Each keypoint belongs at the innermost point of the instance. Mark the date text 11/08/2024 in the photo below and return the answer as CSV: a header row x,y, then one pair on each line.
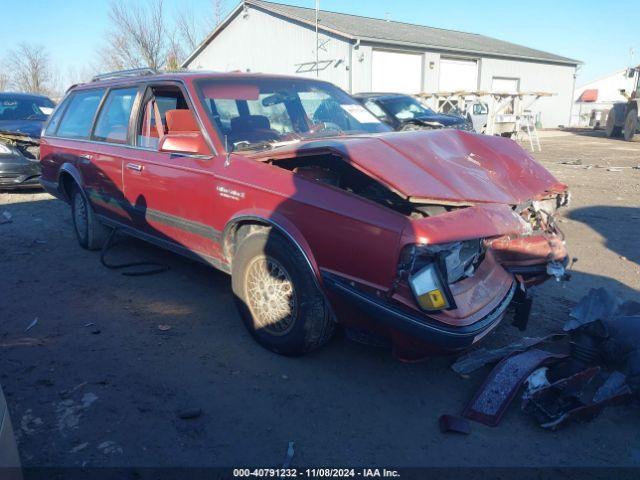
x,y
315,473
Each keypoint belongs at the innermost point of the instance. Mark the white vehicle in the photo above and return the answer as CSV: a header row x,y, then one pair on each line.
x,y
623,117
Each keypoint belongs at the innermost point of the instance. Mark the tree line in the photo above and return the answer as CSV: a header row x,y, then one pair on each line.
x,y
145,33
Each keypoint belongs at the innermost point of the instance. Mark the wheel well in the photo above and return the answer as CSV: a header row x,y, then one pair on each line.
x,y
66,182
235,232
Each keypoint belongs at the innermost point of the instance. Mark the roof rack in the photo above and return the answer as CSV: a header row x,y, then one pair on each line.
x,y
134,72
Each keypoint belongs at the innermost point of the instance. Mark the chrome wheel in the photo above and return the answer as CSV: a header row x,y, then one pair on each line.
x,y
80,216
270,294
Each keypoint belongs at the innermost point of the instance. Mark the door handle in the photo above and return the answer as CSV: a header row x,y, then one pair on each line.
x,y
85,157
134,166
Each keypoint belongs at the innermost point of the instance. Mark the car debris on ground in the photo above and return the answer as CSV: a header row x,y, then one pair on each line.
x,y
597,365
289,456
32,324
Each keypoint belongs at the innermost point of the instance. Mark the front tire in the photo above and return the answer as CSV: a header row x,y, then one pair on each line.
x,y
91,234
630,124
611,129
275,291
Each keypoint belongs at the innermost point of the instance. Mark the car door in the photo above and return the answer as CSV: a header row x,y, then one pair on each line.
x,y
170,193
111,145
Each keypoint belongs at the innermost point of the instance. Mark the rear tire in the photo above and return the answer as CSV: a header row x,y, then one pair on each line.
x,y
91,234
630,124
611,129
276,294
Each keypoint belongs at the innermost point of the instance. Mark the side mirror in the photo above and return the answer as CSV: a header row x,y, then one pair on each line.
x,y
191,143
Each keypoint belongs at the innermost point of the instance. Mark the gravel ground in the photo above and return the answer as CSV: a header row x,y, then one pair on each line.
x,y
96,382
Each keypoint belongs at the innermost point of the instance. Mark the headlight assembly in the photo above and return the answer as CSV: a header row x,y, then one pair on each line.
x,y
428,290
6,150
432,268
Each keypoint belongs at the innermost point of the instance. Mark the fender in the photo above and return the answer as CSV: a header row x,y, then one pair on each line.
x,y
282,225
72,170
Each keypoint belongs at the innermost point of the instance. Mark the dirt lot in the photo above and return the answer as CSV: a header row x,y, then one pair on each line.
x,y
95,382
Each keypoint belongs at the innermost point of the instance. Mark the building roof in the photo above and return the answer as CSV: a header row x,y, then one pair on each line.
x,y
396,33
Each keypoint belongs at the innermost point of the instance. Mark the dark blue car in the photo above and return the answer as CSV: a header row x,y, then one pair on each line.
x,y
22,116
404,112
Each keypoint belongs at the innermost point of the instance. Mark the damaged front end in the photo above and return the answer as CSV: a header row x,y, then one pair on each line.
x,y
540,254
19,161
479,230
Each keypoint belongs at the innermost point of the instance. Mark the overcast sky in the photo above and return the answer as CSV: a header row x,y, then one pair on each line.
x,y
598,33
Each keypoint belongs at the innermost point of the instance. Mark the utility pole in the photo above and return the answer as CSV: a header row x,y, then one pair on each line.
x,y
317,40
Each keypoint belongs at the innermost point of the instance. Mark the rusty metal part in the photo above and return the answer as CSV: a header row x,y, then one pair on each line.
x,y
490,403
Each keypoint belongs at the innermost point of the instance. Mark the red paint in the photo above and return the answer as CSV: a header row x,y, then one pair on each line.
x,y
339,232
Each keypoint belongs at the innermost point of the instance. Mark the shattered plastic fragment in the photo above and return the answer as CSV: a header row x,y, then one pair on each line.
x,y
537,380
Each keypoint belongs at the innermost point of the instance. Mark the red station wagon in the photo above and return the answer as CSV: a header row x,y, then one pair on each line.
x,y
319,212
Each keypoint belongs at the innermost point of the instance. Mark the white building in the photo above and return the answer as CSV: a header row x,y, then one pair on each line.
x,y
363,54
594,99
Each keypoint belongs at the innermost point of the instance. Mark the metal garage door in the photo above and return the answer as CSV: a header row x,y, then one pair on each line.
x,y
505,85
456,75
396,72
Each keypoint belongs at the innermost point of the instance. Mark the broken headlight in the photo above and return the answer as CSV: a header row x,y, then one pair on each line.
x,y
428,289
6,150
432,268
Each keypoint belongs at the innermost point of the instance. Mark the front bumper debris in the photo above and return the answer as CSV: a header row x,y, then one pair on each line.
x,y
419,326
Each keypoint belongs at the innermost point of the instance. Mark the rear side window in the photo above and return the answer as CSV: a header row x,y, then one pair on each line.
x,y
52,126
77,120
113,121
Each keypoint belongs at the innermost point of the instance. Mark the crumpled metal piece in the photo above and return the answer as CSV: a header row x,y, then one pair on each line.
x,y
602,323
598,304
480,357
578,397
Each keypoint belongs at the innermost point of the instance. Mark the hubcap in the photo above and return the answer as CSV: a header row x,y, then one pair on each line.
x,y
80,216
271,296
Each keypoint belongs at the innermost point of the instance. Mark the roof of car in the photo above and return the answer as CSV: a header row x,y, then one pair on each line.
x,y
185,75
22,95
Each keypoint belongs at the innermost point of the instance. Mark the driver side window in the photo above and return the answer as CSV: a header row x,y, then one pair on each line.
x,y
158,116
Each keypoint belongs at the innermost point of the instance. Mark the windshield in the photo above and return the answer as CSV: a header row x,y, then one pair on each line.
x,y
263,113
24,108
406,108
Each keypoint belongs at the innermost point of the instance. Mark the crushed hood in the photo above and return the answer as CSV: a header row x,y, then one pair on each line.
x,y
27,128
441,166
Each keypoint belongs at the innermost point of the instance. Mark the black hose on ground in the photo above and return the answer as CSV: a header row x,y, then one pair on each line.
x,y
159,268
